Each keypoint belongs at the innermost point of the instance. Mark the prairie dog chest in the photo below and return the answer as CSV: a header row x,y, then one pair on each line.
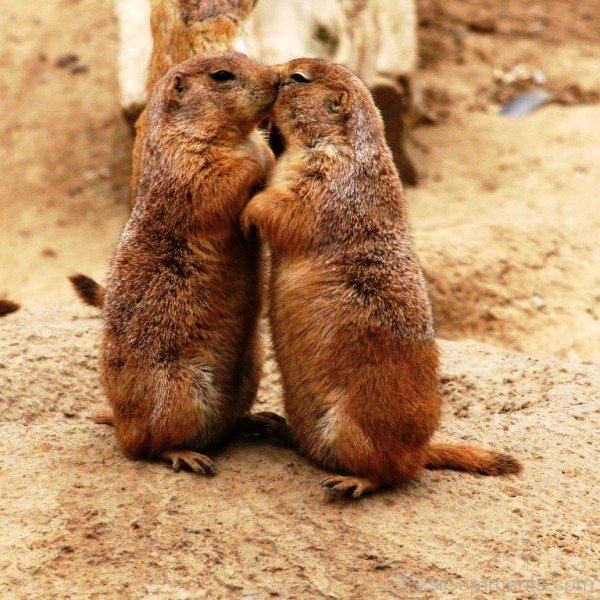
x,y
287,170
254,147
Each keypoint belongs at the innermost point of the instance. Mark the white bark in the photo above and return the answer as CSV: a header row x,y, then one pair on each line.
x,y
135,48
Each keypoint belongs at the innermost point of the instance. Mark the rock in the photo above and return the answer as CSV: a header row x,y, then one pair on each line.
x,y
75,70
66,60
483,24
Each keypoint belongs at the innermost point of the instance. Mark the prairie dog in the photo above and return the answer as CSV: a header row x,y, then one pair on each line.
x,y
349,311
180,357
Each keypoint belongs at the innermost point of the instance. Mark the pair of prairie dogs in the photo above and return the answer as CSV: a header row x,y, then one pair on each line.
x,y
349,312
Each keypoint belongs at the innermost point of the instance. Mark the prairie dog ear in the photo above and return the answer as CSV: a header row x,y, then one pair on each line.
x,y
179,87
339,104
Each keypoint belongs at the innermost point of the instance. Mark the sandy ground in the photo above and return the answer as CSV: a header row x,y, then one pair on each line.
x,y
78,519
506,220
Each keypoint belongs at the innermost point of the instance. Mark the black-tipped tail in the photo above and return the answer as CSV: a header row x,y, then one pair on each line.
x,y
88,290
8,306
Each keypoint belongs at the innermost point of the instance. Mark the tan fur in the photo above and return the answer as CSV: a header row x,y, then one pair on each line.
x,y
180,355
350,316
182,29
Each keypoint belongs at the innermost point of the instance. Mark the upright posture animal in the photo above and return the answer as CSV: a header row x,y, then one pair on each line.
x,y
350,316
180,355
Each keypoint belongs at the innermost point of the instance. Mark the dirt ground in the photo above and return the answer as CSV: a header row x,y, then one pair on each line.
x,y
79,520
506,220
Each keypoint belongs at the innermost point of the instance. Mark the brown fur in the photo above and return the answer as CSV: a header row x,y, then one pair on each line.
x,y
7,307
473,460
349,311
180,356
182,29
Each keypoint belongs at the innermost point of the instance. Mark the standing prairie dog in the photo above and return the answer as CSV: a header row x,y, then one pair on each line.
x,y
349,311
180,356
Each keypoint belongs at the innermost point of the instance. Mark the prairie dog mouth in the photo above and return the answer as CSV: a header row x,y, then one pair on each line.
x,y
276,140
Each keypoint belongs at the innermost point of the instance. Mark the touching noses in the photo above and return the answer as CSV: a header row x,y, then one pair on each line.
x,y
275,79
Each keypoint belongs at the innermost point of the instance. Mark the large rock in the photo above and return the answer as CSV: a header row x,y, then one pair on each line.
x,y
78,519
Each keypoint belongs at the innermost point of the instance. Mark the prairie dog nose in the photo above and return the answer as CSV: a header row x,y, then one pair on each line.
x,y
275,77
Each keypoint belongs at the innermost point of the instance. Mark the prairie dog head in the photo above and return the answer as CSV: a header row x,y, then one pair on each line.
x,y
324,104
212,97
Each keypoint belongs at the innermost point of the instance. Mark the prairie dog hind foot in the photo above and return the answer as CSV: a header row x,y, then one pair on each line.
x,y
266,425
349,485
189,460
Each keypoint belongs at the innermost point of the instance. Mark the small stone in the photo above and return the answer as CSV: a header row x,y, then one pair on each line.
x,y
66,60
483,25
79,69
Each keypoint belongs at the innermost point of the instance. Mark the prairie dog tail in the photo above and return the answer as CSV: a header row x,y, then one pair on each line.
x,y
470,459
88,290
7,307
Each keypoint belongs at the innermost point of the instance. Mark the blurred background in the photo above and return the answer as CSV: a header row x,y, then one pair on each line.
x,y
505,211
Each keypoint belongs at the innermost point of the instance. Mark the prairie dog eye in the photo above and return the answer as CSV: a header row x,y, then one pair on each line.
x,y
300,77
222,76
